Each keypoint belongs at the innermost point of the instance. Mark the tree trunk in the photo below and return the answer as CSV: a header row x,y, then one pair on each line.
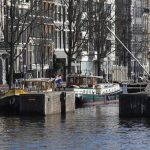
x,y
98,57
69,64
42,64
11,71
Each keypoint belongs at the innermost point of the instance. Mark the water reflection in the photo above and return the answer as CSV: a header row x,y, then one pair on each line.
x,y
87,128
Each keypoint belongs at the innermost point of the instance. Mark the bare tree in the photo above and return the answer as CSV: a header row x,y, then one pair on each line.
x,y
98,17
20,20
72,29
46,37
101,19
17,24
44,40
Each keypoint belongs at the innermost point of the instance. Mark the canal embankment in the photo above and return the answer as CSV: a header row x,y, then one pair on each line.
x,y
135,104
47,103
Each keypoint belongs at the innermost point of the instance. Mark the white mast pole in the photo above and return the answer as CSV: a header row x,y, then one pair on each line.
x,y
128,51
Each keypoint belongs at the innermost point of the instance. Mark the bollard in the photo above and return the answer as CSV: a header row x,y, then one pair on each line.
x,y
124,88
93,97
63,102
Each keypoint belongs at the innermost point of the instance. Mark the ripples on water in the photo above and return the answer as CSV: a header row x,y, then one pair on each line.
x,y
90,128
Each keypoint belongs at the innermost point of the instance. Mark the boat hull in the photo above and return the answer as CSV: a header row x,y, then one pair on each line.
x,y
9,104
94,99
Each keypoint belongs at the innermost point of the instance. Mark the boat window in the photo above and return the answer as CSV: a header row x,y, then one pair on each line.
x,y
43,86
32,86
48,85
28,85
70,80
84,81
36,85
90,82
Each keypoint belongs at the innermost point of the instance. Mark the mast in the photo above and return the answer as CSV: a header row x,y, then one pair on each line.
x,y
129,51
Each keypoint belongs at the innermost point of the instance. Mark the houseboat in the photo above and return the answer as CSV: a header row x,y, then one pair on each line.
x,y
9,101
91,90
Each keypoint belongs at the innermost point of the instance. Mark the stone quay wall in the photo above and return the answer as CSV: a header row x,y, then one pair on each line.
x,y
134,105
47,103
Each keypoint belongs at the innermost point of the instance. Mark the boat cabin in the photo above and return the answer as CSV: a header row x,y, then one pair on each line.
x,y
36,84
83,80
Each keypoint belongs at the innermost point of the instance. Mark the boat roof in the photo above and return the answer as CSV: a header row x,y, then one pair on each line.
x,y
84,76
36,80
100,77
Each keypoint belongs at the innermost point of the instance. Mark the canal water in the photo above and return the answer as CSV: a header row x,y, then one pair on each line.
x,y
90,128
